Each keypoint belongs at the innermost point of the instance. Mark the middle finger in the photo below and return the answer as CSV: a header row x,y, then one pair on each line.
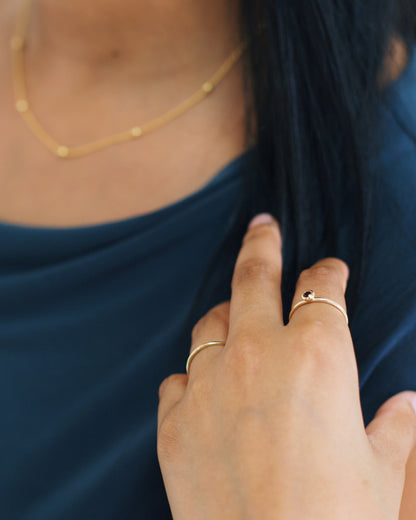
x,y
256,302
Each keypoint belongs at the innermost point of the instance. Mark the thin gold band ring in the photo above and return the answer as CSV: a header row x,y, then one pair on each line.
x,y
309,297
199,349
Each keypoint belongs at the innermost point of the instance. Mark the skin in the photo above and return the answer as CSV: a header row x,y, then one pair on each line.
x,y
94,68
270,425
103,61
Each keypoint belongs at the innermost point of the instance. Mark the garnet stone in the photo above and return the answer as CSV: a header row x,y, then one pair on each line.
x,y
308,295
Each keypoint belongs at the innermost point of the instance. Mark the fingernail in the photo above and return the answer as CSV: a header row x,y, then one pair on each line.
x,y
414,403
261,218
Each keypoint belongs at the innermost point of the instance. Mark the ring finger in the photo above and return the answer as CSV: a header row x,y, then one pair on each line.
x,y
212,327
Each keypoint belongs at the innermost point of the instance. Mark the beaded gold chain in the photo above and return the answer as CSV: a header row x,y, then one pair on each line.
x,y
23,107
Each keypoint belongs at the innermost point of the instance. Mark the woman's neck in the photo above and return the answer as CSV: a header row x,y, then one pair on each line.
x,y
146,39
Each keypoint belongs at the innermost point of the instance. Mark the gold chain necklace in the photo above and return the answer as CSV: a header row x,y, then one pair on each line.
x,y
23,107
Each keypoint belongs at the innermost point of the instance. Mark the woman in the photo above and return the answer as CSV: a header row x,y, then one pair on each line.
x,y
109,259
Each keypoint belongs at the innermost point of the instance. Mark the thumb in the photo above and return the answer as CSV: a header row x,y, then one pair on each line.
x,y
392,433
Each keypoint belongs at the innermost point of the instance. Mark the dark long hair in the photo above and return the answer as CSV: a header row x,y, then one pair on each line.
x,y
312,75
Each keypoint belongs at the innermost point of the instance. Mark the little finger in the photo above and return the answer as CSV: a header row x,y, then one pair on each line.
x,y
325,280
171,391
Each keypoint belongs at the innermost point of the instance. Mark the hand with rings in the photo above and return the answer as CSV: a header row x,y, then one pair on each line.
x,y
268,424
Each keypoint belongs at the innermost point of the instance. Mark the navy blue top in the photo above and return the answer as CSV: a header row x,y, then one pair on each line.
x,y
93,318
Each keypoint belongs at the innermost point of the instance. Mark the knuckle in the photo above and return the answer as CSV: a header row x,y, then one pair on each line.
x,y
395,435
310,331
195,330
169,440
262,232
328,270
406,420
197,400
313,347
248,341
244,354
339,265
321,274
167,384
218,314
253,270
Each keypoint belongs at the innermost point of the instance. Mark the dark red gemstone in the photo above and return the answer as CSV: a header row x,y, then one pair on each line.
x,y
308,295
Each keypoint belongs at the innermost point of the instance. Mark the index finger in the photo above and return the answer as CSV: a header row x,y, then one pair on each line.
x,y
256,284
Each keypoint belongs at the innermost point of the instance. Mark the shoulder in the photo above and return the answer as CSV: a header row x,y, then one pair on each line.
x,y
394,165
397,124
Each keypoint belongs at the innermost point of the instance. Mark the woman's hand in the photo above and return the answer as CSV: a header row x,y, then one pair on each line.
x,y
270,426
